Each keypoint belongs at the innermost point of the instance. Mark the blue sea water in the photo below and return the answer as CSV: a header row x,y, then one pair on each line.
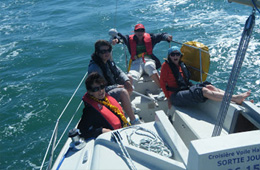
x,y
45,48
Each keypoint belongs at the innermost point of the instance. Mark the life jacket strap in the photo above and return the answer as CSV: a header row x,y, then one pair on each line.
x,y
138,56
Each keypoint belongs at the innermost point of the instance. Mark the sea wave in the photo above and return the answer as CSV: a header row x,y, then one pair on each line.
x,y
46,46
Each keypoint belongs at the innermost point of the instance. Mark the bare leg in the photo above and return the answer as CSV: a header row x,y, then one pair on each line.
x,y
156,79
240,97
213,88
130,78
126,104
218,95
128,85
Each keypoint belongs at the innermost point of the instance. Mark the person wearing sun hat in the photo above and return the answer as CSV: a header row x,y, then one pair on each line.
x,y
174,48
139,26
178,89
140,45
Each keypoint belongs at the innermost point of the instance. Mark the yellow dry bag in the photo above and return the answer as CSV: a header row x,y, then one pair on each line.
x,y
197,58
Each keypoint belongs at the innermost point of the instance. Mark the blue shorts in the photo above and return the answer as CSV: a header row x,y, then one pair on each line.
x,y
191,96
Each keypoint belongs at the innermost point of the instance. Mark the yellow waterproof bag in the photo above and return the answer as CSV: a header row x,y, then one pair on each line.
x,y
197,59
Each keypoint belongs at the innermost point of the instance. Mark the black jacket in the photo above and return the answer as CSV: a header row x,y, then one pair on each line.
x,y
156,38
92,122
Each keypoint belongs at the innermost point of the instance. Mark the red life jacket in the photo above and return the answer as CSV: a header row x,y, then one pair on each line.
x,y
147,42
112,119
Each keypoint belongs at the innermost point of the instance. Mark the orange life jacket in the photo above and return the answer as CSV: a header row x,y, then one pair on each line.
x,y
147,42
112,119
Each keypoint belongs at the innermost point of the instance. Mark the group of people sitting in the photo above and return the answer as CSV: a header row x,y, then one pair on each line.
x,y
107,85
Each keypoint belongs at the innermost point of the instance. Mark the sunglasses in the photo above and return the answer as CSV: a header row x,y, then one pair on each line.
x,y
175,54
140,30
96,89
105,51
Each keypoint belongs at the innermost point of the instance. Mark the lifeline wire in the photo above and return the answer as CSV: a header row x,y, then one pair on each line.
x,y
247,32
54,134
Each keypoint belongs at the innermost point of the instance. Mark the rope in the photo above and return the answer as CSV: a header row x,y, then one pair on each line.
x,y
147,97
56,127
200,70
249,25
189,46
152,142
126,60
116,135
207,73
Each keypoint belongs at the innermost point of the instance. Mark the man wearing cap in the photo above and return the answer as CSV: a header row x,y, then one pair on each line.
x,y
140,45
180,91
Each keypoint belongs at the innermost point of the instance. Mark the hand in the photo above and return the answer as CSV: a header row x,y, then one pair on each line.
x,y
128,86
104,130
120,86
169,38
114,41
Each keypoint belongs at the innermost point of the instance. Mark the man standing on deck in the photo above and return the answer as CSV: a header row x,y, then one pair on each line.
x,y
140,45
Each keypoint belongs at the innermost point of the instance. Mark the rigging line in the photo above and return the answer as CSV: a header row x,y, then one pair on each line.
x,y
68,124
247,32
174,13
52,150
126,60
49,145
57,122
118,139
190,46
194,67
206,73
255,6
73,94
115,15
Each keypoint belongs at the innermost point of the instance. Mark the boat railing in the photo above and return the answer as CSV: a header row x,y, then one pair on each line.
x,y
53,138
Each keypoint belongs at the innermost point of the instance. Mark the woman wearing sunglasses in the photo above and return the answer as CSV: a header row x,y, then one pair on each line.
x,y
102,113
174,80
119,85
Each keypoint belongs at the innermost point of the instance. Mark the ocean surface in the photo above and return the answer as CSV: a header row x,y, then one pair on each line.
x,y
45,48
